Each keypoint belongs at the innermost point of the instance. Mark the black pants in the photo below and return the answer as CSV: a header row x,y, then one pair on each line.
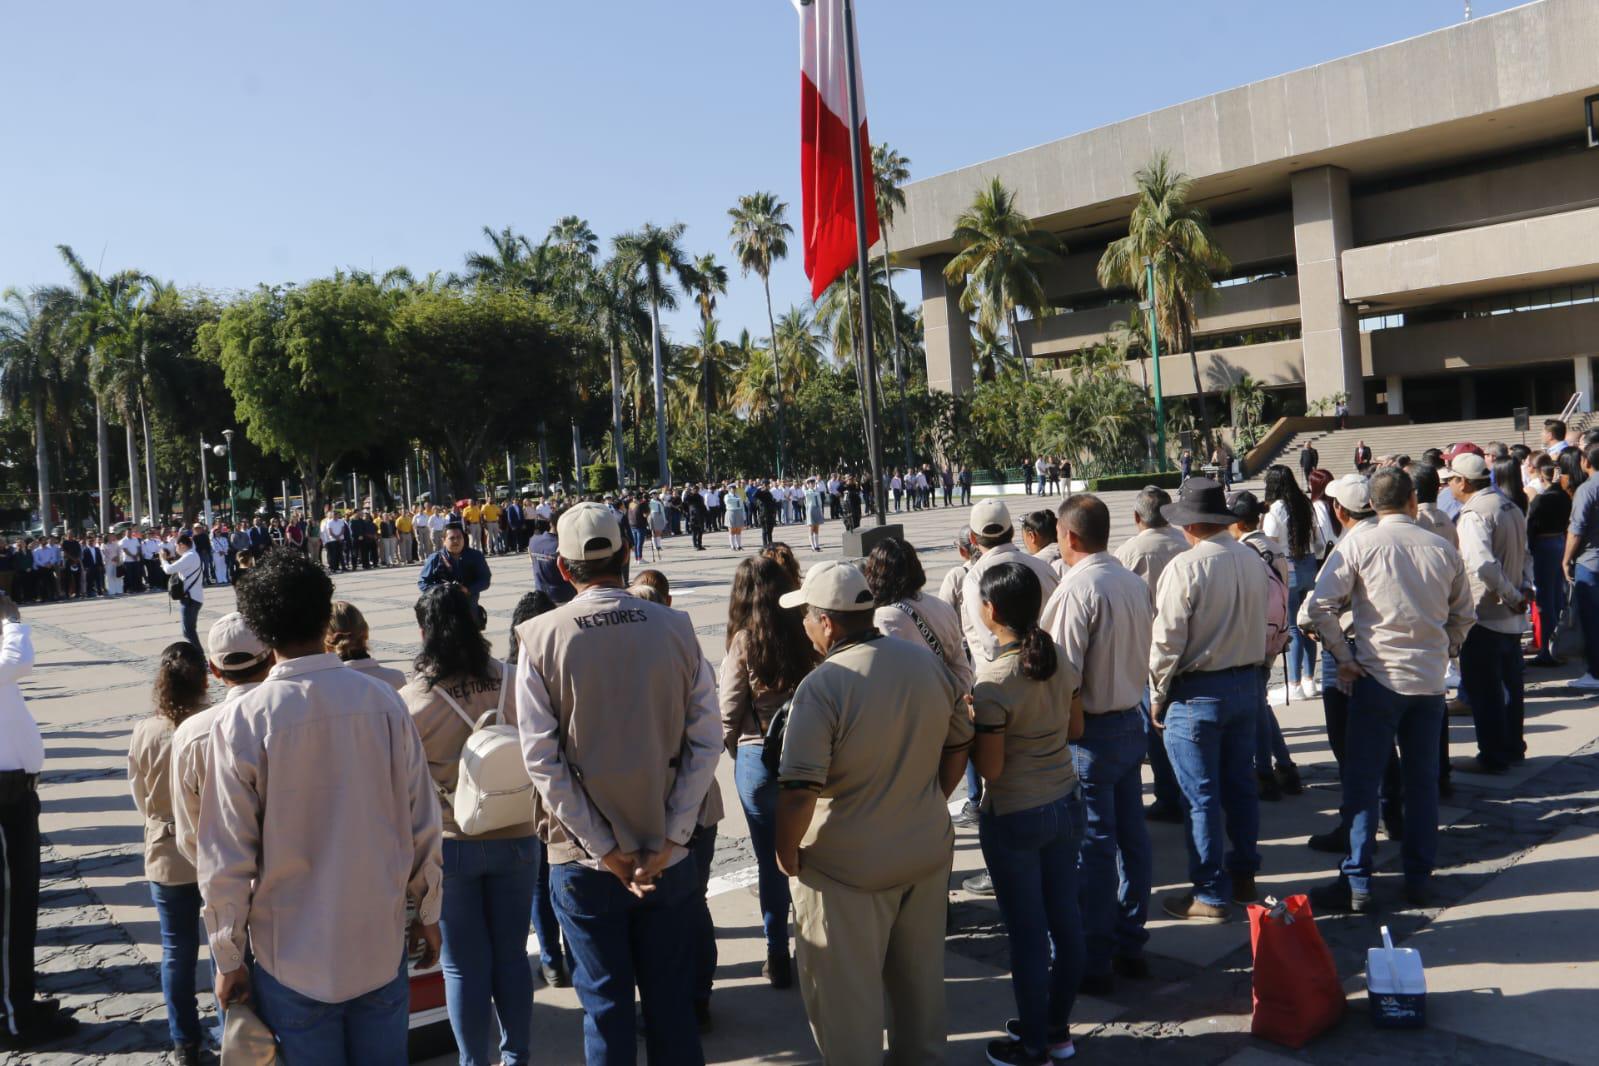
x,y
697,531
153,577
19,896
766,536
335,556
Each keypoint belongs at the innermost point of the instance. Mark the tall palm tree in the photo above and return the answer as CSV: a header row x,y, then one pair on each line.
x,y
890,170
999,261
714,360
796,338
90,317
1173,234
760,238
655,256
993,359
621,312
512,262
36,341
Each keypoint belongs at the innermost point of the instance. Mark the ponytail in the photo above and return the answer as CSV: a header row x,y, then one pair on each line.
x,y
1014,592
1038,654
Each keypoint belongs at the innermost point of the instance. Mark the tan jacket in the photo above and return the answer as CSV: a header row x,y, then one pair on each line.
x,y
1147,552
747,708
1101,618
1493,542
191,750
149,776
319,824
1210,612
894,621
982,642
391,677
444,734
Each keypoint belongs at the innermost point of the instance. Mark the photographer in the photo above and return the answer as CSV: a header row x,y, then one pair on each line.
x,y
185,566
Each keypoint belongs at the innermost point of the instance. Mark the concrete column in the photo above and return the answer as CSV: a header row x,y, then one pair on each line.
x,y
1583,367
1396,394
946,333
1323,228
1468,397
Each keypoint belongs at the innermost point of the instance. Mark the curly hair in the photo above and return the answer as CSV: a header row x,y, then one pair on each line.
x,y
180,681
531,605
286,599
347,631
453,644
894,571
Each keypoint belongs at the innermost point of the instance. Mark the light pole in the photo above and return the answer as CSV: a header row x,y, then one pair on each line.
x,y
1154,355
233,477
205,485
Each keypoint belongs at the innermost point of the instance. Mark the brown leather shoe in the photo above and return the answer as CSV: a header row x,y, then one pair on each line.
x,y
1244,888
1190,909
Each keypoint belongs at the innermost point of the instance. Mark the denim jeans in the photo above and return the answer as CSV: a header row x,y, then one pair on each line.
x,y
974,783
757,794
178,907
488,897
544,921
1378,716
1550,580
190,622
638,542
1269,743
1032,856
617,941
1585,591
702,849
1109,758
1491,678
368,1030
1167,794
1301,651
1210,736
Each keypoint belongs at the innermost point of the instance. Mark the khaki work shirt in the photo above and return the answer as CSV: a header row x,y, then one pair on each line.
x,y
1493,543
1149,551
1210,612
191,750
1101,618
893,620
369,666
320,822
150,779
869,728
444,734
1431,517
1035,717
983,643
1409,600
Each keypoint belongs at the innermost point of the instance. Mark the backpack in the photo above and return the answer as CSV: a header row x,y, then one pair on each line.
x,y
492,789
1277,620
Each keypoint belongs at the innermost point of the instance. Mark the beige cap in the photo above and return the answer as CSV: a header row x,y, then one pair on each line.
x,y
832,587
990,518
1353,491
1469,466
233,644
588,531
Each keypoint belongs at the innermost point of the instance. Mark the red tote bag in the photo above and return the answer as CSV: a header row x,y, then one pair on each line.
x,y
1297,992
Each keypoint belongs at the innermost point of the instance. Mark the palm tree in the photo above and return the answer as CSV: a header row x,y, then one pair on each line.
x,y
620,313
890,170
1175,236
993,359
90,317
999,261
511,263
800,345
655,256
36,340
760,238
717,367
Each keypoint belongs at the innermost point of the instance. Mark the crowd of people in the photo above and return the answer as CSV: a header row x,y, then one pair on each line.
x,y
1047,669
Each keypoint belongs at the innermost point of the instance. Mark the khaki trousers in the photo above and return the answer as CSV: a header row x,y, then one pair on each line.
x,y
861,951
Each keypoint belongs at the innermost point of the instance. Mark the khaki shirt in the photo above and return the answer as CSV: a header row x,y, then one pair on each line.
x,y
1493,542
1149,551
1431,517
869,727
747,707
319,824
1409,599
616,707
150,778
893,620
1101,619
391,677
983,643
1035,717
191,750
949,590
1210,612
444,734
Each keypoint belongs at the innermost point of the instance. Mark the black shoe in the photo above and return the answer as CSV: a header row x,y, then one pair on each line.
x,y
967,816
702,1014
1269,790
1132,967
555,975
980,885
1475,765
1009,1052
1096,984
1393,823
779,969
1417,895
1333,842
42,1028
184,1055
1337,897
1288,780
1060,1040
1162,812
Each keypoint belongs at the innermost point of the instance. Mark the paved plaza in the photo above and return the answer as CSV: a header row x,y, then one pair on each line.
x,y
1510,947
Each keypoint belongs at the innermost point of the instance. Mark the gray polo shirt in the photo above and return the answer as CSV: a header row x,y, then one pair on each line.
x,y
1585,522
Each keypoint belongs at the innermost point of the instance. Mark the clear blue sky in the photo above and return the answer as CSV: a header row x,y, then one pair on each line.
x,y
221,144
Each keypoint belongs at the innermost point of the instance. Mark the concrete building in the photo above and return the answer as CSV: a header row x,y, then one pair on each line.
x,y
1416,226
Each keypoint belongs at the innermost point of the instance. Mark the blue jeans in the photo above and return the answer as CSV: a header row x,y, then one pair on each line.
x,y
178,907
1377,716
974,783
757,794
1269,742
1585,591
1032,857
1550,579
1491,678
617,941
190,622
638,542
702,849
1109,758
488,897
1167,794
544,922
368,1030
1301,652
1210,736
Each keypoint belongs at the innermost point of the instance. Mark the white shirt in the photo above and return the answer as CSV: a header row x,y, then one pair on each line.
x,y
187,567
333,529
130,546
713,498
21,747
436,523
983,644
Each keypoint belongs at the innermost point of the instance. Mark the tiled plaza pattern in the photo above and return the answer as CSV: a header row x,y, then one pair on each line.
x,y
1510,947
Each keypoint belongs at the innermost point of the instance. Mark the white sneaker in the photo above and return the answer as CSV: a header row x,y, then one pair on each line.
x,y
1307,688
1587,681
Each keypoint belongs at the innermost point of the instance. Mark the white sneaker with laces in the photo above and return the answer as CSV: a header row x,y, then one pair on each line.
x,y
1307,688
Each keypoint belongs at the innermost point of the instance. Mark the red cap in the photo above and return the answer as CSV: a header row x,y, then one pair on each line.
x,y
1463,448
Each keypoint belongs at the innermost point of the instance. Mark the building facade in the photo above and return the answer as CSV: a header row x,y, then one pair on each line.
x,y
1415,227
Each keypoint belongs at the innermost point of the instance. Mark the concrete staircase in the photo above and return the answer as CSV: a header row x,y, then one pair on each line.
x,y
1337,448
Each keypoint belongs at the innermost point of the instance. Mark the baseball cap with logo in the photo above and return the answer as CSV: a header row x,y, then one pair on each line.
x,y
1469,466
233,644
1463,448
832,587
1353,491
990,518
588,531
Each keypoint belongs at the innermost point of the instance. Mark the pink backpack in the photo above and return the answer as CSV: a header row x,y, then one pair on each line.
x,y
1277,620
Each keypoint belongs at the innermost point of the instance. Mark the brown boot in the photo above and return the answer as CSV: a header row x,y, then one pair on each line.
x,y
1190,909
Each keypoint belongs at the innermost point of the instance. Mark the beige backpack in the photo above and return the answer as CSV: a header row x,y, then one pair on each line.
x,y
492,789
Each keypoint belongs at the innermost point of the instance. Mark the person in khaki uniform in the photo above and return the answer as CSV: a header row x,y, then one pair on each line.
x,y
877,739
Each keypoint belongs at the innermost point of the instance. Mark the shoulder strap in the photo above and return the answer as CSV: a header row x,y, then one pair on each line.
x,y
936,645
505,682
458,709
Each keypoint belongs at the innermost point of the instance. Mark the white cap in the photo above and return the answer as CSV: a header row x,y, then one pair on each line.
x,y
233,644
588,531
1470,466
990,518
1353,491
832,587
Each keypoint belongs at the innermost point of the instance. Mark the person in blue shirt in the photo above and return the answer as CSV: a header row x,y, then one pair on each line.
x,y
546,575
456,564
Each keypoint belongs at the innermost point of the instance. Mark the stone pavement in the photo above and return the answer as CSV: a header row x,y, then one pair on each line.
x,y
1509,945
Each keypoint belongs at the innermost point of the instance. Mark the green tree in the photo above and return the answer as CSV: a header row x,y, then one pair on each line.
x,y
890,171
760,238
655,256
35,354
1001,256
799,345
1168,231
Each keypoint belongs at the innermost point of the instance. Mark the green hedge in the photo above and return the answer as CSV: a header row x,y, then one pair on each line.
x,y
1011,475
1169,480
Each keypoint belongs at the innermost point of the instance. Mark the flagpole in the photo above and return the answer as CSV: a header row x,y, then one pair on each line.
x,y
863,275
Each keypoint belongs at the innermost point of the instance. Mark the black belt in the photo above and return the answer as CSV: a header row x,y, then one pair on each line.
x,y
1214,673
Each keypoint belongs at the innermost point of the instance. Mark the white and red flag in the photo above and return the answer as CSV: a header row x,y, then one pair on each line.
x,y
829,190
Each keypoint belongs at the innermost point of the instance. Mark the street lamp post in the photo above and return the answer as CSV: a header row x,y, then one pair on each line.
x,y
233,479
1154,355
205,485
